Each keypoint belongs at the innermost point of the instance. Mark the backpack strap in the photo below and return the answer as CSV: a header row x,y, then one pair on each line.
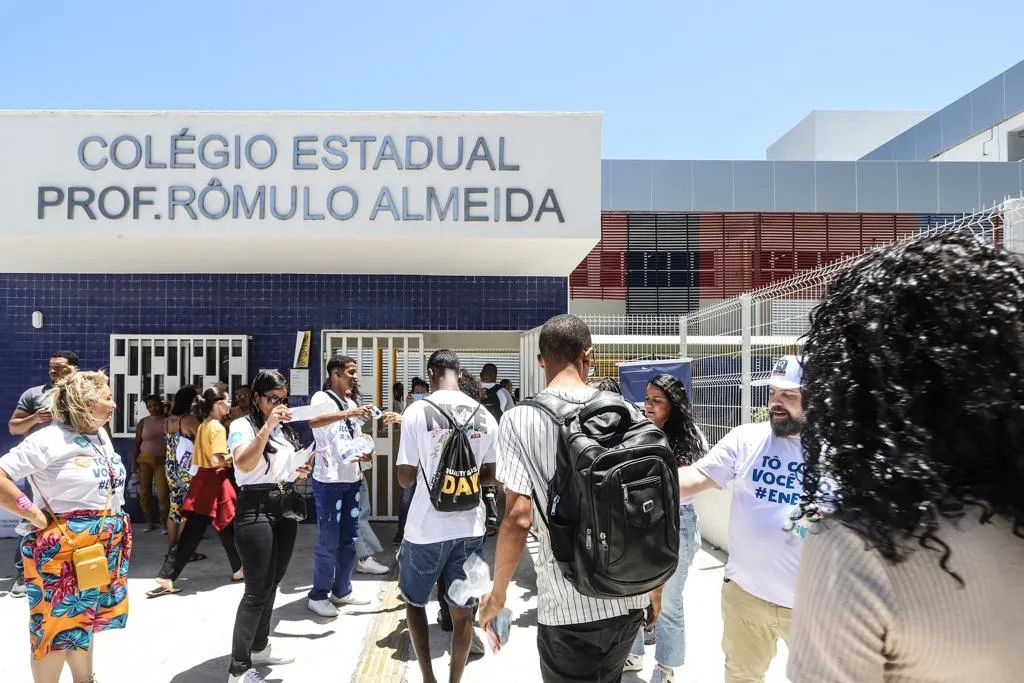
x,y
342,408
561,412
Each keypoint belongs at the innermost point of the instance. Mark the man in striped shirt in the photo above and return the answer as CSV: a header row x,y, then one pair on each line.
x,y
579,638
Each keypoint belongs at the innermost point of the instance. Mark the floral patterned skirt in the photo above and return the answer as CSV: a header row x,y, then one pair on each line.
x,y
61,617
178,481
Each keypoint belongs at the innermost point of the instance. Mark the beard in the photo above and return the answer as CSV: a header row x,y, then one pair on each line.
x,y
785,426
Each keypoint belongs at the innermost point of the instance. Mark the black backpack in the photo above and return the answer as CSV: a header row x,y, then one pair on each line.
x,y
613,504
492,401
455,485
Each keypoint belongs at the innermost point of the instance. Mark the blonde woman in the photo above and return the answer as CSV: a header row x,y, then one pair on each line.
x,y
79,480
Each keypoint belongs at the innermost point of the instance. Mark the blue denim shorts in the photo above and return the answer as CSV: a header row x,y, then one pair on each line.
x,y
420,566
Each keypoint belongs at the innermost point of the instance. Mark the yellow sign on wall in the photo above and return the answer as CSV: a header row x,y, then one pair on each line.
x,y
302,346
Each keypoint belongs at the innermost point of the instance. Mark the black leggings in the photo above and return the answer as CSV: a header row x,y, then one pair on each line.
x,y
265,542
190,539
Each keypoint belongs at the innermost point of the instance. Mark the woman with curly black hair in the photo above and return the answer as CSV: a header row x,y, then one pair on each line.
x,y
667,405
914,398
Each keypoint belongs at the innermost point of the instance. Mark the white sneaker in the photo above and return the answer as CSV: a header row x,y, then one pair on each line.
x,y
371,566
634,663
349,599
266,658
663,675
321,608
250,676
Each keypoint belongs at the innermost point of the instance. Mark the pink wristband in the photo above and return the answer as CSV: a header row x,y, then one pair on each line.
x,y
23,503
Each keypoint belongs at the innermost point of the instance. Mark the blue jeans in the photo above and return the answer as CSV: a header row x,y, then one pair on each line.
x,y
420,566
26,488
670,632
337,529
367,544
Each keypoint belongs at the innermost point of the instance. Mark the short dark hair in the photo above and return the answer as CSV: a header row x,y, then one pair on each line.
x,y
443,360
489,370
338,361
70,356
564,338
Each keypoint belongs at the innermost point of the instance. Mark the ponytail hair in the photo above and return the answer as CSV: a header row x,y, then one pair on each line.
x,y
203,404
264,382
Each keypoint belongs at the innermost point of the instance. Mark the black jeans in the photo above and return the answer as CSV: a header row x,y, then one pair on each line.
x,y
265,542
190,539
587,653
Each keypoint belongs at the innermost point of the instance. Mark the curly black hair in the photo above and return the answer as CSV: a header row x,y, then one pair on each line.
x,y
913,393
686,440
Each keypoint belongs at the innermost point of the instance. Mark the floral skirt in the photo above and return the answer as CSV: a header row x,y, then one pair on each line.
x,y
178,481
61,617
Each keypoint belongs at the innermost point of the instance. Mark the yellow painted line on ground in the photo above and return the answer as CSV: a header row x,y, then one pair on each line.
x,y
387,647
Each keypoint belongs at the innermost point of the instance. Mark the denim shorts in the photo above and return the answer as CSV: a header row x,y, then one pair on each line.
x,y
420,566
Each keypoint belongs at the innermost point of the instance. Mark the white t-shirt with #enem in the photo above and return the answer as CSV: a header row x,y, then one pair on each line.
x,y
332,443
767,475
71,471
241,435
423,428
183,455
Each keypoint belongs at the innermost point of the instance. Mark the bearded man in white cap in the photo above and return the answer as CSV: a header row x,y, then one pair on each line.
x,y
765,463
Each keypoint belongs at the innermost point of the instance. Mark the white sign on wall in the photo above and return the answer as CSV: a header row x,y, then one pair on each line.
x,y
302,192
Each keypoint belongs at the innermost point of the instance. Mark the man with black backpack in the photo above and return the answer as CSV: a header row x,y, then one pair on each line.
x,y
448,450
603,484
498,401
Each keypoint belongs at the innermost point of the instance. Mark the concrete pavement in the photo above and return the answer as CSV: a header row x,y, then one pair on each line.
x,y
186,638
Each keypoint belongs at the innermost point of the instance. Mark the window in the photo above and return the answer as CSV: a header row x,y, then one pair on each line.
x,y
141,365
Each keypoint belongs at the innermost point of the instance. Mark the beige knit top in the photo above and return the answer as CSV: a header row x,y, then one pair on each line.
x,y
861,619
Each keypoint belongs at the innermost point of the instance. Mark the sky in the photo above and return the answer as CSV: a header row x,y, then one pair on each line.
x,y
675,80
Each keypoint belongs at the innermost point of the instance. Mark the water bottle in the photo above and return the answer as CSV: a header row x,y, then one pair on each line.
x,y
376,412
499,629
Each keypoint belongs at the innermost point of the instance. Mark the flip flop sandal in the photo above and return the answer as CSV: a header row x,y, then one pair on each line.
x,y
161,591
197,557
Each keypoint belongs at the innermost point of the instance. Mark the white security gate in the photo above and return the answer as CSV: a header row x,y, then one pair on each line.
x,y
143,365
383,358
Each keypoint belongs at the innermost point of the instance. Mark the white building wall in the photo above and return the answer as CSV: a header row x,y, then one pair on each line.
x,y
990,145
841,135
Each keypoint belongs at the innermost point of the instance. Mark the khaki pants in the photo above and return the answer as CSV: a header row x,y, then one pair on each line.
x,y
752,629
151,471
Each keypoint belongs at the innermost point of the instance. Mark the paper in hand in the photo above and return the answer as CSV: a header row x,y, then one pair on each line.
x,y
303,413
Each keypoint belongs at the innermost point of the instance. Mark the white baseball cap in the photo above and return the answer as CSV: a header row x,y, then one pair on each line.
x,y
786,374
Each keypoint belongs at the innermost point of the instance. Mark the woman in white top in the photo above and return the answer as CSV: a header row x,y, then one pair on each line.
x,y
79,480
336,483
263,446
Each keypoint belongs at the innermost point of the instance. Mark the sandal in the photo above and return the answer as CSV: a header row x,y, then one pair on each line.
x,y
161,591
197,557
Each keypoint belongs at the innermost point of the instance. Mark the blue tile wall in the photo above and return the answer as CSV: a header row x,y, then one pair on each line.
x,y
81,311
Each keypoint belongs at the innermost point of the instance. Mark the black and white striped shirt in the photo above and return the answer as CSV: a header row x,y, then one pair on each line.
x,y
527,447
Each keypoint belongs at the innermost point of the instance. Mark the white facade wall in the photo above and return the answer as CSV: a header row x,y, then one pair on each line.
x,y
990,145
841,135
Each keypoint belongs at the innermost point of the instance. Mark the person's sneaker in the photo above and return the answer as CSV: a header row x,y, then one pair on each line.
x,y
634,663
349,599
663,675
650,636
250,676
371,566
397,540
322,608
18,589
476,646
267,658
